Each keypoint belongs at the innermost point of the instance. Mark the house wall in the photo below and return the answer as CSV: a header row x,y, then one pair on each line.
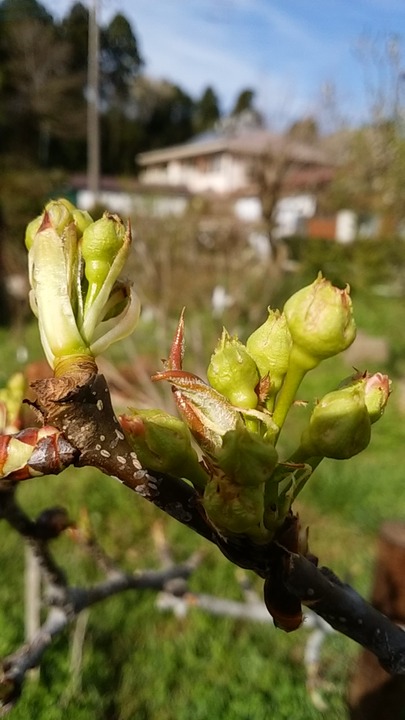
x,y
219,172
289,212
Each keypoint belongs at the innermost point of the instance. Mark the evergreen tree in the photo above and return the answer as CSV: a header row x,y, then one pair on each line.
x,y
206,112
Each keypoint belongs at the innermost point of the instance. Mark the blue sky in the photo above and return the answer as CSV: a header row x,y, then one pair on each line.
x,y
286,50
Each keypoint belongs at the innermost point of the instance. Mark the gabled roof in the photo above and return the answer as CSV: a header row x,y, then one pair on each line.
x,y
248,143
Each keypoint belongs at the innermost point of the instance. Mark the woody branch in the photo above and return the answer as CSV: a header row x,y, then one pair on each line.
x,y
81,408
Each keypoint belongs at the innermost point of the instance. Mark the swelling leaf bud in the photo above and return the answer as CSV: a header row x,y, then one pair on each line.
x,y
320,320
270,347
233,372
339,426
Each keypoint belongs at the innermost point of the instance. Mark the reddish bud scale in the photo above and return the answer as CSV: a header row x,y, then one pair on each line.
x,y
50,453
175,361
133,425
184,379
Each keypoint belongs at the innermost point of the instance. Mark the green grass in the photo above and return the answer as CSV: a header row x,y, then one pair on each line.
x,y
140,663
11,341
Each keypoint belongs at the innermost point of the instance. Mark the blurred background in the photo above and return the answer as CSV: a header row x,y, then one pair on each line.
x,y
252,143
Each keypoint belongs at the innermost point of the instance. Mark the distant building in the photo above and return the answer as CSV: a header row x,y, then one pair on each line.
x,y
222,164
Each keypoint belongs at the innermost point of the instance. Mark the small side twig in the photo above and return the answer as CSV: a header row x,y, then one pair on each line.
x,y
15,666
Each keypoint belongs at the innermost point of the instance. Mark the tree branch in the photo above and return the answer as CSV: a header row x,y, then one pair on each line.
x,y
79,406
15,666
66,602
343,608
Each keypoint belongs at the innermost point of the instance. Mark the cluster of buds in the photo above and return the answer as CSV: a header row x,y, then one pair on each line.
x,y
74,265
237,416
225,441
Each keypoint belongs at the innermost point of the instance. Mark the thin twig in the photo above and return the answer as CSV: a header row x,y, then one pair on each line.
x,y
15,666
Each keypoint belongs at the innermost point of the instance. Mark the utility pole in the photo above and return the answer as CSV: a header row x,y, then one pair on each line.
x,y
93,123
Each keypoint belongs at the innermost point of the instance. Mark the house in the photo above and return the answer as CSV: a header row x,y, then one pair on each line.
x,y
222,164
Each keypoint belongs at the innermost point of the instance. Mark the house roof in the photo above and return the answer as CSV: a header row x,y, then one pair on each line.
x,y
250,143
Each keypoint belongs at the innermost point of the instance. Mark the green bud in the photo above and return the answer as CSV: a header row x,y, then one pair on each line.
x,y
71,329
58,215
101,242
339,426
162,443
320,320
82,218
235,509
321,324
245,458
233,372
377,389
53,271
270,346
